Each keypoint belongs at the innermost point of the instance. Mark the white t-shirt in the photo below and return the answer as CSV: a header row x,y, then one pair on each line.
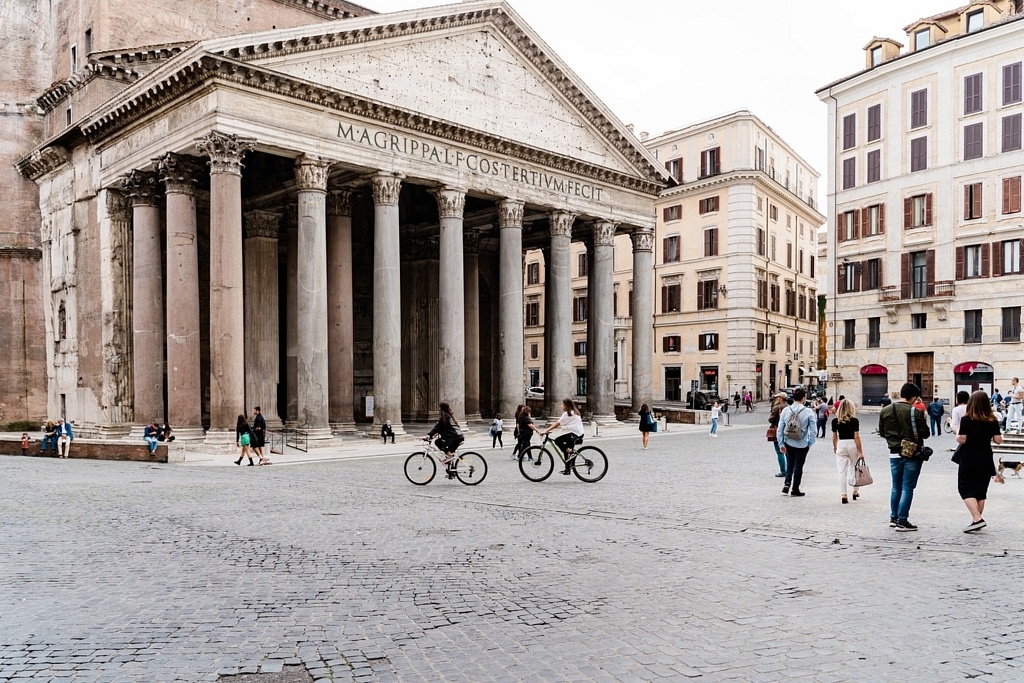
x,y
498,424
1015,394
572,423
714,413
954,420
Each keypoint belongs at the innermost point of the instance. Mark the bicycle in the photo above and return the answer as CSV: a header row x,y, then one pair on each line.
x,y
947,424
588,463
420,468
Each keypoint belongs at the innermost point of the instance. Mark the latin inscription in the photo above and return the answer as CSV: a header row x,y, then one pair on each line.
x,y
474,163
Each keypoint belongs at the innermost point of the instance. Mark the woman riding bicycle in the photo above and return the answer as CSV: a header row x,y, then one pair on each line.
x,y
573,423
448,432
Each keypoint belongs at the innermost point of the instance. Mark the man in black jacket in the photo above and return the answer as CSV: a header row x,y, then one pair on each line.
x,y
897,422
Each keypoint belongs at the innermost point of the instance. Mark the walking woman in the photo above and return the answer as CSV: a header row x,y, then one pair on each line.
x,y
496,428
243,437
526,428
646,423
846,445
778,403
978,429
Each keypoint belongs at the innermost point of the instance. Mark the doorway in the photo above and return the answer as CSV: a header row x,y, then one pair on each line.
x,y
921,371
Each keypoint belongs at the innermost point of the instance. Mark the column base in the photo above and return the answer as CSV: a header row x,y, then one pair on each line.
x,y
188,434
621,390
473,417
319,434
136,432
605,420
344,428
113,431
220,437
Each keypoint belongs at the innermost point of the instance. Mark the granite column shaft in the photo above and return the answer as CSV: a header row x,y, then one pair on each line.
x,y
387,292
340,341
601,324
511,338
560,384
643,317
262,317
451,203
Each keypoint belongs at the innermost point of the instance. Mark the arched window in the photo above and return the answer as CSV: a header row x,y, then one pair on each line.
x,y
62,322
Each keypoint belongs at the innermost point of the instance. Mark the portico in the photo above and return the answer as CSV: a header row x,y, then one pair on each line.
x,y
328,245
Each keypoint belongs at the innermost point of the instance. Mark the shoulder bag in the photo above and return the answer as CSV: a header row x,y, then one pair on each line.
x,y
861,475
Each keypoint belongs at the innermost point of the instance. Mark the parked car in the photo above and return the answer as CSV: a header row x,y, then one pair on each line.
x,y
534,392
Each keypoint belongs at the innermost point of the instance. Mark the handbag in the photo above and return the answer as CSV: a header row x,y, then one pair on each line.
x,y
908,448
861,475
772,434
956,454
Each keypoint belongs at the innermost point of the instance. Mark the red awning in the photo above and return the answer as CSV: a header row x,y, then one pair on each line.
x,y
874,370
973,367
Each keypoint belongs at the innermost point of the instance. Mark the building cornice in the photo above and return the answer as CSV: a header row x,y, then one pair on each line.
x,y
42,161
759,178
329,9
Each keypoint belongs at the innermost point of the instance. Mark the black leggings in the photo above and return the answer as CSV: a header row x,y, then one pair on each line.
x,y
449,447
567,440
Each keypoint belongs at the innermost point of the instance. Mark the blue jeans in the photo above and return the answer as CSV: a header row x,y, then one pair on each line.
x,y
905,472
936,425
781,456
795,466
714,425
49,444
153,443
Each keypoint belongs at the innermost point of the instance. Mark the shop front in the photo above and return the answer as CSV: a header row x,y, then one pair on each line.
x,y
972,376
874,384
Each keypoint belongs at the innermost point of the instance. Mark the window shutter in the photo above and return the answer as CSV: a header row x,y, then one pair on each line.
x,y
967,202
985,259
858,276
960,266
840,229
976,203
718,160
929,268
881,219
908,213
841,279
928,209
664,299
700,296
703,164
905,275
664,250
856,224
1006,194
881,280
997,259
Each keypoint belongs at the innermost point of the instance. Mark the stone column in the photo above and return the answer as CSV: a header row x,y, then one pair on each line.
x,y
143,190
311,181
184,387
561,384
471,298
621,383
116,286
227,306
550,402
451,203
262,317
601,325
510,307
290,222
340,342
643,316
387,292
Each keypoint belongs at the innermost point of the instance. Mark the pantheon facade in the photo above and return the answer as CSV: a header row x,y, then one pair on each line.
x,y
329,221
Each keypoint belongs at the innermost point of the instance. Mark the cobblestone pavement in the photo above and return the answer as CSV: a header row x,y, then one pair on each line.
x,y
684,563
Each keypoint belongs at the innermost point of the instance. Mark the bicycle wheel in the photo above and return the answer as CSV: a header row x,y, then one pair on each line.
x,y
470,468
947,425
590,464
420,468
537,464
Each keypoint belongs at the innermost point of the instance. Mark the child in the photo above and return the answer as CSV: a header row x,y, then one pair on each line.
x,y
24,443
715,412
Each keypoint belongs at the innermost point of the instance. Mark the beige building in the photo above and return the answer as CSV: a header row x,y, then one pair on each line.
x,y
735,271
925,192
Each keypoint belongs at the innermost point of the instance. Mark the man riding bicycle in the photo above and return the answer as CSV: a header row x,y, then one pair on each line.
x,y
448,432
573,423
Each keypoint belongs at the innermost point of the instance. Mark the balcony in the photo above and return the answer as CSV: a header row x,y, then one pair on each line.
x,y
910,291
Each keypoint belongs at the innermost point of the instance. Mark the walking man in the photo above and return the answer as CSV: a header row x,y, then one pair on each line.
x,y
797,433
897,422
1016,395
935,411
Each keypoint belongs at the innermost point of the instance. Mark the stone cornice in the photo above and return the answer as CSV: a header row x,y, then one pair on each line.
x,y
329,9
42,161
21,253
61,90
760,178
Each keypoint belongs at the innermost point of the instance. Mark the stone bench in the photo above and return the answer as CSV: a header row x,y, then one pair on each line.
x,y
91,449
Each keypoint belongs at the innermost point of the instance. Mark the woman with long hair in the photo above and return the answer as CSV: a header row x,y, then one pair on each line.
x,y
243,437
526,427
978,429
846,445
515,431
449,434
573,424
778,403
646,423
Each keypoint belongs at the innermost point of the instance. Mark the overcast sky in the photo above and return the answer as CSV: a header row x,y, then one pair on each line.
x,y
664,64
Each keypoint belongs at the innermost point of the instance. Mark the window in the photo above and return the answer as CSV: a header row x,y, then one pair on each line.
x,y
672,213
874,166
711,242
849,277
775,297
919,108
671,296
874,123
789,254
533,273
917,211
1011,133
801,308
762,293
758,160
872,274
710,162
67,116
848,225
675,169
918,154
972,326
1010,331
849,334
812,307
1011,195
579,348
849,173
533,314
790,300
849,131
707,341
874,333
972,261
972,201
74,58
62,322
774,250
1006,260
974,146
670,249
760,242
876,55
673,384
800,261
975,20
582,264
534,351
918,321
760,341
919,269
973,94
874,220
707,294
773,212
670,343
812,266
709,204
922,39
579,308
1011,83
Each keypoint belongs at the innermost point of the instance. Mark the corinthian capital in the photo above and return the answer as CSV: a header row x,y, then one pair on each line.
x,y
262,224
510,213
142,188
643,240
311,173
179,172
451,202
471,242
225,151
561,223
117,205
339,203
604,233
386,188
